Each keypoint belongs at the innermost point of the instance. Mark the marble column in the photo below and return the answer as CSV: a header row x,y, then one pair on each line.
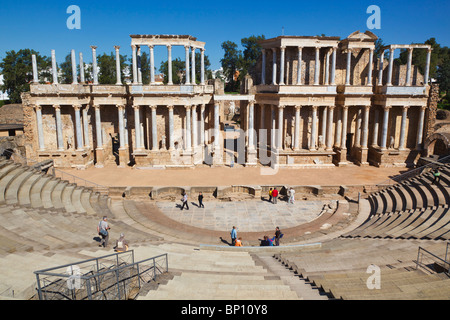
x,y
169,64
188,135
376,124
262,115
391,67
333,67
402,143
299,66
317,67
94,65
337,137
263,66
273,128
384,130
282,64
194,126
139,65
327,67
187,72
98,127
358,128
419,139
152,65
135,76
274,66
193,80
216,126
35,72
380,69
86,127
365,129
78,131
121,109
323,133
251,124
427,67
54,68
202,125
155,145
344,127
202,66
59,133
312,144
297,128
348,68
370,71
329,140
40,128
171,128
280,127
118,73
74,67
137,127
408,67
82,79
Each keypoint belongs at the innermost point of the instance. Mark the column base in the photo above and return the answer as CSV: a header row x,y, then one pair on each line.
x,y
100,157
123,157
251,160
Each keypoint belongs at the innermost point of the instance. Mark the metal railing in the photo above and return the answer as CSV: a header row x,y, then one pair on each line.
x,y
428,260
110,277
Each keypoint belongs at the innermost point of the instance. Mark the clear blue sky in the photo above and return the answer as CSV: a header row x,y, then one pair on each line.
x,y
41,25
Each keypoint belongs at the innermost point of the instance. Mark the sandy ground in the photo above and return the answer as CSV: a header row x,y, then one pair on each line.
x,y
225,176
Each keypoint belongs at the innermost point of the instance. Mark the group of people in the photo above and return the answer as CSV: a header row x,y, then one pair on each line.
x,y
184,200
274,194
103,231
275,241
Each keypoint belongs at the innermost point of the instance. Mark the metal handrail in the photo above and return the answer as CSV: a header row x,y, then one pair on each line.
x,y
445,262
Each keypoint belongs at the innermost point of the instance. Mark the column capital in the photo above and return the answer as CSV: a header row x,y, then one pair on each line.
x,y
314,107
96,106
57,106
193,49
135,106
150,46
367,107
202,50
387,107
202,107
93,47
194,107
187,106
77,106
153,107
298,107
282,48
274,49
410,49
133,46
168,46
332,107
117,47
252,102
423,108
186,47
300,48
405,107
281,106
121,106
170,107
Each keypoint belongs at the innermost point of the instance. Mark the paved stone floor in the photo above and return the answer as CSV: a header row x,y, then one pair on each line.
x,y
247,215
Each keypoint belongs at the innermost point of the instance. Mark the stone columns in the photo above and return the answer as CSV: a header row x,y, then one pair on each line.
x,y
317,67
344,128
261,116
280,127
282,64
74,67
327,67
202,66
194,126
408,67
216,126
337,137
169,64
121,109
202,125
402,142
82,80
333,67
384,131
273,128
365,129
324,124
358,128
370,71
299,66
391,66
348,69
54,68
186,49
419,139
188,136
427,67
137,127
35,72
251,124
193,80
155,146
297,128
86,127
263,66
135,76
139,66
312,144
380,71
79,135
376,124
329,139
274,66
98,127
94,65
171,128
59,133
118,73
40,128
152,65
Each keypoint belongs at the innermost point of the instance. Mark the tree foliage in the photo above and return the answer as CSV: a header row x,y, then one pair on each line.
x,y
107,68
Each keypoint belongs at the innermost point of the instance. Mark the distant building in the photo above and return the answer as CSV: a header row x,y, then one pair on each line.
x,y
3,95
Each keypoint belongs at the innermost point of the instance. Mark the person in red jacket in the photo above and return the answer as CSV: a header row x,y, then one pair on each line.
x,y
275,195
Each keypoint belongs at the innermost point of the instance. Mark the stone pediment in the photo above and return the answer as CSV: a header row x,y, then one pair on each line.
x,y
359,36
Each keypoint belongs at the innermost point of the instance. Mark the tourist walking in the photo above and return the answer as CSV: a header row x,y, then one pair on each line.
x,y
200,200
275,195
437,176
185,201
233,234
291,194
278,236
270,194
103,232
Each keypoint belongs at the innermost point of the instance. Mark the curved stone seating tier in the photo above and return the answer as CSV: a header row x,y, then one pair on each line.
x,y
334,268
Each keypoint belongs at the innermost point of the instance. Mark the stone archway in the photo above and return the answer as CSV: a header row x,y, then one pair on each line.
x,y
437,144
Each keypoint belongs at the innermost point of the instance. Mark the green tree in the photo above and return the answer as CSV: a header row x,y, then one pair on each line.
x,y
251,54
107,67
65,70
17,71
178,70
231,64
